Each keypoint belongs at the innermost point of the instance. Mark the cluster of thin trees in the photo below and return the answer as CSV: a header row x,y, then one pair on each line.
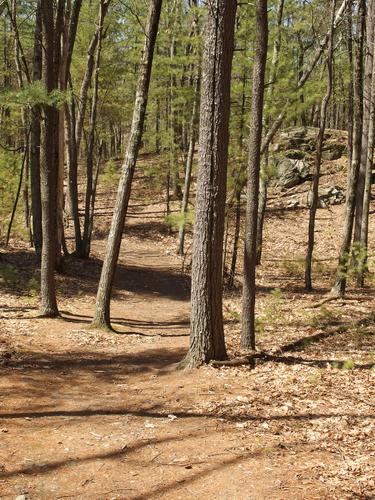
x,y
56,124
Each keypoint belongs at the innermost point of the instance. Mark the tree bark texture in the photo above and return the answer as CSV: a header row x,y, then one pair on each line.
x,y
48,169
207,331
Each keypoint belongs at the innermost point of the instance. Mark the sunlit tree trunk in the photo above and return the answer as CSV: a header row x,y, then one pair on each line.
x,y
48,169
102,308
207,331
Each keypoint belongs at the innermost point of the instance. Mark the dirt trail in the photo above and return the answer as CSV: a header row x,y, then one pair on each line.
x,y
97,415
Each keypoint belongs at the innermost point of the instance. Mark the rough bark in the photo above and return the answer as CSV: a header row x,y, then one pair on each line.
x,y
367,187
102,308
207,331
48,169
253,171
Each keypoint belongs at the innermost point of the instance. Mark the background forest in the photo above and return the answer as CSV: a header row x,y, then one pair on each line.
x,y
185,169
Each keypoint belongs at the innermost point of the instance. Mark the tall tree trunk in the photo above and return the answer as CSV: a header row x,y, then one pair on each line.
x,y
263,182
343,264
253,170
102,308
195,82
349,39
367,188
48,169
36,208
188,170
207,330
75,127
90,179
318,158
367,105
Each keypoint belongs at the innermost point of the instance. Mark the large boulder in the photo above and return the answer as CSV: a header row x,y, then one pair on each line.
x,y
299,138
333,151
298,141
291,173
332,195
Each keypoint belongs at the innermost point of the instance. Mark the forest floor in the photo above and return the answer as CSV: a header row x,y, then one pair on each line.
x,y
86,414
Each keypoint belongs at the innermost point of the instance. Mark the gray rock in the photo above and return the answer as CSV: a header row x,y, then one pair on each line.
x,y
332,195
291,173
333,151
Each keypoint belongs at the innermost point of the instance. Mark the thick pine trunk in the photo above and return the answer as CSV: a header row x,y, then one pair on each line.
x,y
102,308
48,170
207,331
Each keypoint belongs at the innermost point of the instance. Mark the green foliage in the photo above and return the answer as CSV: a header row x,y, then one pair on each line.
x,y
8,275
10,165
295,267
273,311
348,365
110,174
14,279
32,94
175,221
323,318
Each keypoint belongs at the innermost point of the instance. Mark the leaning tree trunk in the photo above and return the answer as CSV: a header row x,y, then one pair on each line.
x,y
339,285
207,330
253,170
48,170
102,308
318,158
